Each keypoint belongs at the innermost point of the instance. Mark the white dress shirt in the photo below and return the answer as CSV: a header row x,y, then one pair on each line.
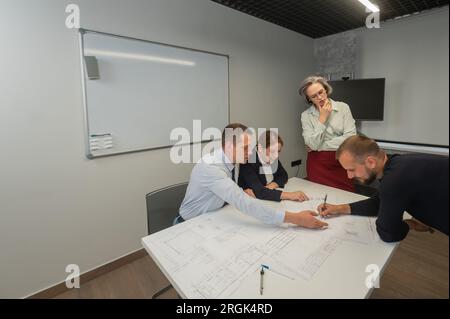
x,y
329,136
210,187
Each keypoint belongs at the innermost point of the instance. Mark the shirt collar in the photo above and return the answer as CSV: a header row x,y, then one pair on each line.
x,y
223,158
387,165
260,160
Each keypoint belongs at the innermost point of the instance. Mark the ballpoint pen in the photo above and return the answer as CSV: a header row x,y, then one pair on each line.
x,y
261,287
324,204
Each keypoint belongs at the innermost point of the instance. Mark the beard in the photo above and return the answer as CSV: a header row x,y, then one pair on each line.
x,y
372,176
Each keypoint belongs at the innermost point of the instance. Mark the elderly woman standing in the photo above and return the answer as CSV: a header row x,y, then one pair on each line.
x,y
326,124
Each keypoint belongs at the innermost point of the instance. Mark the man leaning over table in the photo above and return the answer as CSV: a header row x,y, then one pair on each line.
x,y
416,183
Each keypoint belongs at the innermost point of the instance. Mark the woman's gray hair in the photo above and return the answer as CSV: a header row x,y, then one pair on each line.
x,y
310,80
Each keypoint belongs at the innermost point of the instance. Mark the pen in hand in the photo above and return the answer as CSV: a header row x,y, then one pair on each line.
x,y
324,205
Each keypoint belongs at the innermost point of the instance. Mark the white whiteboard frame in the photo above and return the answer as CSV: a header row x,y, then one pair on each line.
x,y
81,33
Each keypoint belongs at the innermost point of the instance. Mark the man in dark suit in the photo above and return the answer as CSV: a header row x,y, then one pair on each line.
x,y
261,176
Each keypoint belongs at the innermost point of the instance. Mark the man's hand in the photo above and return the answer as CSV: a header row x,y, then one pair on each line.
x,y
296,196
418,226
329,210
305,219
249,192
272,185
325,111
308,149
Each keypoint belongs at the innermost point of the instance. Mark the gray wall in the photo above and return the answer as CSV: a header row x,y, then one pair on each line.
x,y
335,55
57,207
413,55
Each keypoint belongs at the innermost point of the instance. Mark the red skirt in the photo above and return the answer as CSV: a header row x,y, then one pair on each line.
x,y
323,168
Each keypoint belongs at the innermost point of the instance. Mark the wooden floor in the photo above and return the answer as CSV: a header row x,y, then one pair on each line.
x,y
419,269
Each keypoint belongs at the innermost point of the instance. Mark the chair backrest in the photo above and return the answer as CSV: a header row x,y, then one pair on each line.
x,y
163,206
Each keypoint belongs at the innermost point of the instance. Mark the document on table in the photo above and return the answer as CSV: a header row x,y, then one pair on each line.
x,y
356,228
211,259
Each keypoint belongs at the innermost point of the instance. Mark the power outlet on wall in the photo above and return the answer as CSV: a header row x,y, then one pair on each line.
x,y
296,163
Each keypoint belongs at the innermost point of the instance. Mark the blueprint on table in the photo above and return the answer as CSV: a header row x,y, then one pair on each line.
x,y
211,258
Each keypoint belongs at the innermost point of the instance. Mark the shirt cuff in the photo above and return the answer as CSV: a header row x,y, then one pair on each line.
x,y
278,193
358,209
278,218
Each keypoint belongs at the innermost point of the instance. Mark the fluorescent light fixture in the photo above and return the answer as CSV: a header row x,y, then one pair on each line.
x,y
369,5
143,57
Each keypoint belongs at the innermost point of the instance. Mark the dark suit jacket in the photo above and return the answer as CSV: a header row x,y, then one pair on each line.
x,y
251,177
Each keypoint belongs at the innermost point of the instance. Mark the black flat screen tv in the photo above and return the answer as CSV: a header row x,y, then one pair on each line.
x,y
364,96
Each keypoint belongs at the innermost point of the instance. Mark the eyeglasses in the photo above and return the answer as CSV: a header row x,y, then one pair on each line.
x,y
320,93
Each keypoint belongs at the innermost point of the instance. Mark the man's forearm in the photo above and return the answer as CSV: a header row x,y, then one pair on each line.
x,y
345,209
285,196
289,217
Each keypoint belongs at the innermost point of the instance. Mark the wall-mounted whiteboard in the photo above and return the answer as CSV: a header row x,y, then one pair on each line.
x,y
136,92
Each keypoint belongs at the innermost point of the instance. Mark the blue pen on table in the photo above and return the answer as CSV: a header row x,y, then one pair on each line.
x,y
261,286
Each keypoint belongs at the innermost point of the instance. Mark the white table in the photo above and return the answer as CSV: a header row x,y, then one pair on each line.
x,y
219,254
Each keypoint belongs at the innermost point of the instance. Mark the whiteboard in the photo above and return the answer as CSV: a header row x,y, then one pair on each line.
x,y
146,89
